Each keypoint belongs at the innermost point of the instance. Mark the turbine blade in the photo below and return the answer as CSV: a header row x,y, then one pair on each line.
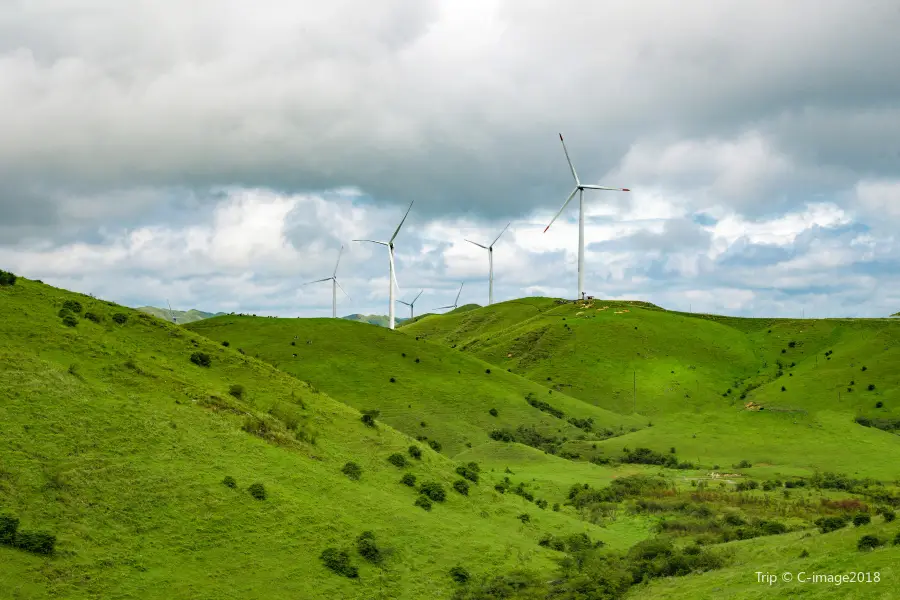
x,y
373,241
341,251
501,233
574,174
342,289
455,302
402,302
416,298
565,204
318,281
477,244
603,187
401,222
442,307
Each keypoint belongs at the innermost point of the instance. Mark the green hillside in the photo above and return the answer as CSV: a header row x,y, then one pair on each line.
x,y
116,443
380,320
182,316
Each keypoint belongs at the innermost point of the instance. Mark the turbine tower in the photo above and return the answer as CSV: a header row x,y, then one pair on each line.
x,y
393,278
490,250
579,187
412,304
334,285
455,302
171,316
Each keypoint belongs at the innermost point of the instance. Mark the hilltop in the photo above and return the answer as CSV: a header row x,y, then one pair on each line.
x,y
182,316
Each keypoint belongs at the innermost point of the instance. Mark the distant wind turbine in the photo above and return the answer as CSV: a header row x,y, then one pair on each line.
x,y
455,302
393,278
580,187
334,285
490,250
171,316
412,304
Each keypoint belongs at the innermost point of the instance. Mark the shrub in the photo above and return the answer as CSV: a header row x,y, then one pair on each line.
x,y
339,562
397,459
870,387
469,471
435,445
37,542
869,542
69,320
120,318
488,371
7,278
434,491
860,519
879,404
415,452
493,412
92,317
229,482
542,504
393,380
236,390
459,574
408,479
73,305
423,502
226,343
828,524
352,470
369,416
461,486
367,548
896,541
556,507
865,368
201,359
8,526
258,491
524,517
888,514
744,464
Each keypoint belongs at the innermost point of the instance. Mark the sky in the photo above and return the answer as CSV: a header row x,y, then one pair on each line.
x,y
218,154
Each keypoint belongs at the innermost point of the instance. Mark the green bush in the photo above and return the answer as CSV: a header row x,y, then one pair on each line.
x,y
226,343
459,574
869,542
367,548
888,514
524,517
435,445
469,471
339,562
896,541
73,305
229,482
415,452
92,317
201,359
258,491
8,526
236,390
69,320
7,278
120,318
352,470
433,490
828,524
461,486
369,416
423,502
408,479
870,387
860,519
493,412
397,459
37,542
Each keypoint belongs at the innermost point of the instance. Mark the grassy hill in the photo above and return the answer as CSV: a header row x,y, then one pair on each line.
x,y
380,320
182,316
117,443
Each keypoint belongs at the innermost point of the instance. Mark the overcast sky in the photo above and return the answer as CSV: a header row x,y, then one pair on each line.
x,y
218,153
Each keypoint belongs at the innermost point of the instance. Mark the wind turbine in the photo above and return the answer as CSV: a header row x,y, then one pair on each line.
x,y
455,302
334,285
490,250
579,187
171,316
411,304
393,278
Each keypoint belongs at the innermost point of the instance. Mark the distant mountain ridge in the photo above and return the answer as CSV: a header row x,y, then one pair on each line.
x,y
181,316
380,320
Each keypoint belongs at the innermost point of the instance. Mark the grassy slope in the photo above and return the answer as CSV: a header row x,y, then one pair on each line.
x,y
124,464
183,316
450,391
683,364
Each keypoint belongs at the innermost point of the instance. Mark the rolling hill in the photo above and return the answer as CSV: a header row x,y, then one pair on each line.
x,y
380,320
182,316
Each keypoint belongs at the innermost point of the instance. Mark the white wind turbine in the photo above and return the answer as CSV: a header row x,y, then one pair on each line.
x,y
334,285
490,250
580,187
171,316
393,278
455,302
412,304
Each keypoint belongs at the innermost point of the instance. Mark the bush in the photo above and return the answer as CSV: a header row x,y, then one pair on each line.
x,y
493,412
828,524
339,562
37,542
8,526
461,486
369,416
879,404
236,390
73,305
415,452
69,320
397,459
7,278
524,517
229,481
434,491
870,387
92,317
869,542
435,445
352,470
408,479
488,371
120,318
201,359
393,380
744,464
423,502
367,548
226,343
469,471
459,574
896,541
258,491
860,519
864,368
888,514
